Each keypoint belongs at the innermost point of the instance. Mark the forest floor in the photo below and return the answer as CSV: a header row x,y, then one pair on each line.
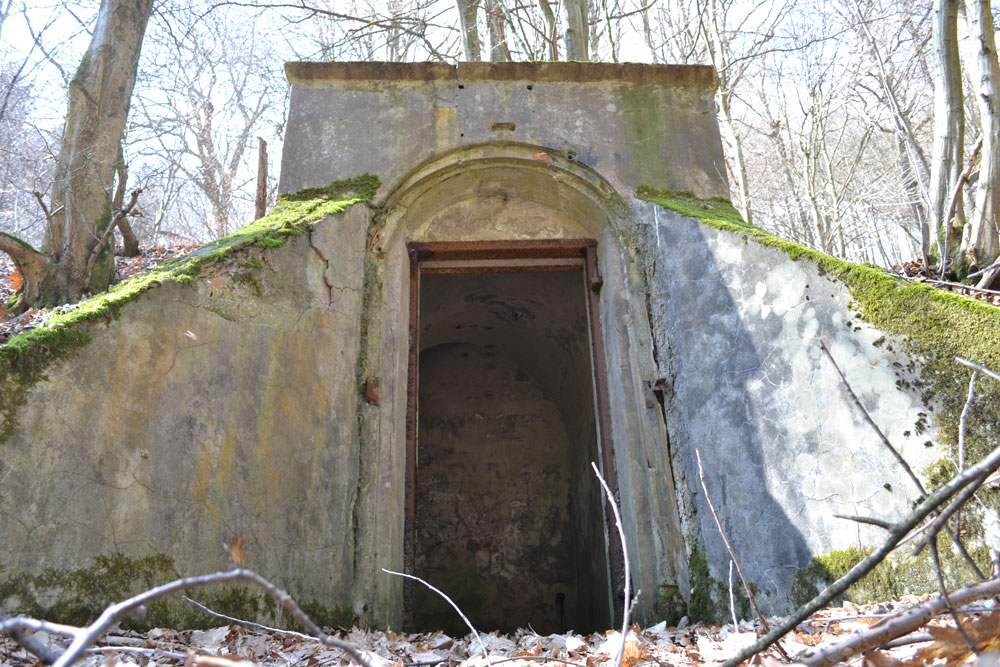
x,y
241,645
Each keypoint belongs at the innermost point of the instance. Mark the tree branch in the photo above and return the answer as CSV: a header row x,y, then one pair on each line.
x,y
905,623
990,463
732,553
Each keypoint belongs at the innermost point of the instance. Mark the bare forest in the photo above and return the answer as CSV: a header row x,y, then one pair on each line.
x,y
847,125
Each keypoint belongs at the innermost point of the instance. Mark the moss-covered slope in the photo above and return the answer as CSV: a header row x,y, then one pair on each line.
x,y
25,358
937,325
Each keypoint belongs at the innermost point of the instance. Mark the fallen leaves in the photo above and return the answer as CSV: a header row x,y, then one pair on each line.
x,y
125,267
237,553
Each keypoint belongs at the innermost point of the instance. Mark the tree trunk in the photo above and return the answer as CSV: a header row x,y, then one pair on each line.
x,y
576,33
130,244
497,22
551,34
99,96
467,10
949,121
983,241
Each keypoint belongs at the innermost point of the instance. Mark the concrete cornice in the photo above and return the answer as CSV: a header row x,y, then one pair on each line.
x,y
702,76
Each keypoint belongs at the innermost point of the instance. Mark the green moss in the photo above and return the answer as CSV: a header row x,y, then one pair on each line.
x,y
897,575
709,601
323,616
25,358
77,597
670,605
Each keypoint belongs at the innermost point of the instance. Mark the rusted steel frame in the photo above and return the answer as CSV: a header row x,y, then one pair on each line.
x,y
616,559
410,509
534,249
530,268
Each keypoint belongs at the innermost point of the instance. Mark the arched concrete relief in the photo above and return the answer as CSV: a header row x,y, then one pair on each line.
x,y
516,192
500,191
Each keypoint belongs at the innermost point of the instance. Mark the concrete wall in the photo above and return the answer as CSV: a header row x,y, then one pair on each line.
x,y
204,411
737,329
632,123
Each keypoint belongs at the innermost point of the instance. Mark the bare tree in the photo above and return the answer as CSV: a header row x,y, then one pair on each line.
x,y
80,210
982,241
949,120
201,111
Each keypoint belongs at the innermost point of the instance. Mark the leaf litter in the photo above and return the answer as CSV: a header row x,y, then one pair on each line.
x,y
656,646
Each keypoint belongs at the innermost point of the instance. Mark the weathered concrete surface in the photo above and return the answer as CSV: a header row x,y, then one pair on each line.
x,y
633,123
737,329
201,413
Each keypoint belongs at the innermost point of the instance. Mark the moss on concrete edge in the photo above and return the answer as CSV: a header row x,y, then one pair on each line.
x,y
77,597
25,358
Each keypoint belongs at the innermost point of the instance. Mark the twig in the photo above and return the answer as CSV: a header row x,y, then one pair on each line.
x,y
871,422
994,265
881,523
84,637
106,236
141,651
899,530
50,223
899,457
32,645
907,640
961,420
241,621
732,597
942,518
904,623
621,536
538,657
732,553
453,605
952,284
947,600
982,369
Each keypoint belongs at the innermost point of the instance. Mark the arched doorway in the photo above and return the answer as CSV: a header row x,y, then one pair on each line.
x,y
507,512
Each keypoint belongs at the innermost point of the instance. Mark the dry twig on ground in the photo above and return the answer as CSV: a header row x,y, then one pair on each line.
x,y
84,637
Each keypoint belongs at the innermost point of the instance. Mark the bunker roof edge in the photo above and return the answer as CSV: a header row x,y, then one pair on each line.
x,y
701,76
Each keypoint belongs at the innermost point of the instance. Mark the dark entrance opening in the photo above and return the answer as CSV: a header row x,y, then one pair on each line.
x,y
507,516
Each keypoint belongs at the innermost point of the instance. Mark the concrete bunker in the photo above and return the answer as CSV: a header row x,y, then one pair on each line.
x,y
506,428
287,419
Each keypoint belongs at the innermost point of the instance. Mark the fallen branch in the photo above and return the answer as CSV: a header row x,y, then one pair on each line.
x,y
86,636
454,606
621,535
903,624
732,553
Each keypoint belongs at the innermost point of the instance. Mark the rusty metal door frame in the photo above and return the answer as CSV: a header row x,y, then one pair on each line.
x,y
554,249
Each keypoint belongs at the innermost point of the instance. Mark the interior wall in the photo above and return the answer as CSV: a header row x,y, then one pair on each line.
x,y
509,520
